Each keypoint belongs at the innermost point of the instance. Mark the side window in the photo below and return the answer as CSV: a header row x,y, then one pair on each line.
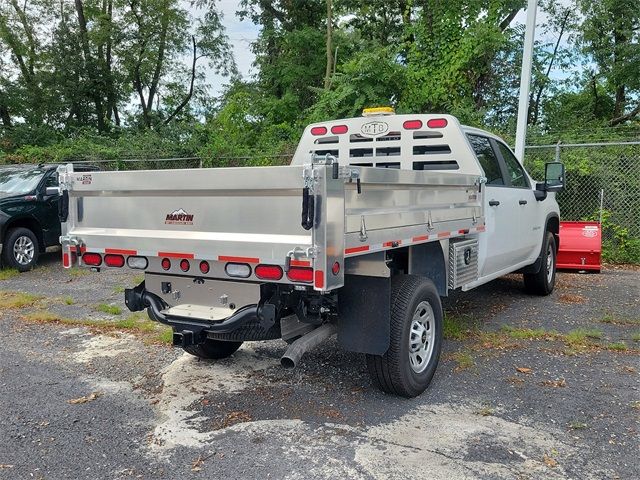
x,y
515,170
51,181
487,158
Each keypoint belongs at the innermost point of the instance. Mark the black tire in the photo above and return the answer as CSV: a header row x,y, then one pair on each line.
x,y
213,349
543,282
393,372
20,249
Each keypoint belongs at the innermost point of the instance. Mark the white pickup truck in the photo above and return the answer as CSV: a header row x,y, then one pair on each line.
x,y
375,219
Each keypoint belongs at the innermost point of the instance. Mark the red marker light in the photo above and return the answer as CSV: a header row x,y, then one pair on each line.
x,y
114,260
93,259
412,124
318,130
268,272
437,123
166,263
184,265
204,267
335,269
338,129
300,274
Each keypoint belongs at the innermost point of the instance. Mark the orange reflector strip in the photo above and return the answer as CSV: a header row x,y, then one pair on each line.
x,y
65,260
119,251
392,243
224,258
300,263
364,248
420,238
176,255
443,234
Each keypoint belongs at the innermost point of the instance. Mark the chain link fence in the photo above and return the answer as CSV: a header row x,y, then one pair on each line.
x,y
603,183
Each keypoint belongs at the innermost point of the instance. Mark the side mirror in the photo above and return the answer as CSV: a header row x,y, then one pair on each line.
x,y
554,177
50,191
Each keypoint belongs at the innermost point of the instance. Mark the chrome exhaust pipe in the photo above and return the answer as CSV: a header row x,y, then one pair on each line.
x,y
297,349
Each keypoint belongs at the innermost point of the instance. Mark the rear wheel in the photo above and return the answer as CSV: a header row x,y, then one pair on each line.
x,y
20,249
543,282
408,366
213,349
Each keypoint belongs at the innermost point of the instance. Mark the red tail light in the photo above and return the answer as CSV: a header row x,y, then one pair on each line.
x,y
268,272
204,267
412,124
184,265
337,129
318,130
300,274
114,260
335,269
166,263
437,123
93,259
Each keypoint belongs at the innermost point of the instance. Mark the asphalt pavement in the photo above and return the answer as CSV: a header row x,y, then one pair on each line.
x,y
529,387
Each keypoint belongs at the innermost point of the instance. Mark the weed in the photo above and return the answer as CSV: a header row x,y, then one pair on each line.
x,y
527,333
608,318
458,327
636,337
485,411
582,336
8,273
43,316
138,279
18,299
575,425
68,300
110,309
464,360
118,289
617,346
635,405
165,336
76,272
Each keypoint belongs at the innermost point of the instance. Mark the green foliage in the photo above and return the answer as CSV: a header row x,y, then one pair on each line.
x,y
623,247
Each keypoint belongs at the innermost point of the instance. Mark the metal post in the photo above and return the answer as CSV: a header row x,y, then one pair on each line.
x,y
558,151
525,79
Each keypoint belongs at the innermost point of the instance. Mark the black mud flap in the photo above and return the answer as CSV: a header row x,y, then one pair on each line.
x,y
364,307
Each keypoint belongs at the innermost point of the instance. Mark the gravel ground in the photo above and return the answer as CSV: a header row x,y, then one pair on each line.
x,y
498,407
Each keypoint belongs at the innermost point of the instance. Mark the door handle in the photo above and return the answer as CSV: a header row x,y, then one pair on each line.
x,y
522,202
494,203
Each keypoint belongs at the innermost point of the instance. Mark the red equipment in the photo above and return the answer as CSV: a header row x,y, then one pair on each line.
x,y
580,246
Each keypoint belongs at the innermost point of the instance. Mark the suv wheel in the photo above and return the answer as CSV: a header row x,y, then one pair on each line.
x,y
20,250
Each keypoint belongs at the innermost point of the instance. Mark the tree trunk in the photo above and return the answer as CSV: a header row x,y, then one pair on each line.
x,y
90,66
193,79
329,69
112,106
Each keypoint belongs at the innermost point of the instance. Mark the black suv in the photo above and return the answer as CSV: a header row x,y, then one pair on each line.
x,y
29,223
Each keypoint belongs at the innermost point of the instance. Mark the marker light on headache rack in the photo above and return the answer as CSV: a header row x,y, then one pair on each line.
x,y
437,123
338,129
318,130
412,124
300,274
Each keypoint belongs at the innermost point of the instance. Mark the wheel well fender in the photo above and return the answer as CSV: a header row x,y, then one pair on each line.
x,y
553,226
430,260
25,222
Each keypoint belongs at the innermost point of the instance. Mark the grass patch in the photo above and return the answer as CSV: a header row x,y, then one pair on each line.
x,y
577,425
636,337
118,289
138,279
110,309
18,299
458,327
76,272
617,346
528,333
464,360
8,273
582,336
612,319
135,323
67,300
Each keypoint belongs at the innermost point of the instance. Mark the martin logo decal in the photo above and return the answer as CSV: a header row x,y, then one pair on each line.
x,y
179,217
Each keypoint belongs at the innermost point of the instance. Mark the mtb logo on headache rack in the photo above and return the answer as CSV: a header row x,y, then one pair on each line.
x,y
373,129
179,217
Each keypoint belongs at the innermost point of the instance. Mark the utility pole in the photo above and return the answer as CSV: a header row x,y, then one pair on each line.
x,y
525,79
327,75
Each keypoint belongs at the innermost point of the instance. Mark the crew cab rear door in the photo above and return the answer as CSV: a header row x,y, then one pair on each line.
x,y
501,246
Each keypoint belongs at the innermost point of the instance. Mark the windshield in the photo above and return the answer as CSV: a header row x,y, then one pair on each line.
x,y
17,182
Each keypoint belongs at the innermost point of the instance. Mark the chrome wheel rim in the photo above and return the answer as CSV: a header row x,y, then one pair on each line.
x,y
23,250
421,337
549,264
